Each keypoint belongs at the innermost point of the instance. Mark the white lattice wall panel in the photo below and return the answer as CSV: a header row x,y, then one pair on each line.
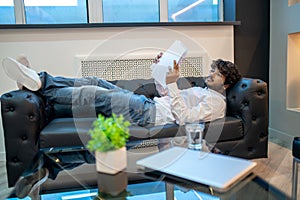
x,y
137,68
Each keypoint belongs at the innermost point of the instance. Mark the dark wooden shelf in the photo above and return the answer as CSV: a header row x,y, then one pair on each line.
x,y
99,25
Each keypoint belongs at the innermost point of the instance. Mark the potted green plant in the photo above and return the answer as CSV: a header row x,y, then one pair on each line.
x,y
108,139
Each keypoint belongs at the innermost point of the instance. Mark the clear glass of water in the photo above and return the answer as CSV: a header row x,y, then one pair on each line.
x,y
194,133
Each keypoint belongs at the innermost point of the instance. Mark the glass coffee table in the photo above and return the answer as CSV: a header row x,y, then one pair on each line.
x,y
157,186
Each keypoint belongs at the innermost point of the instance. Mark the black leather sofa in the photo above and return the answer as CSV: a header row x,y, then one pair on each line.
x,y
33,127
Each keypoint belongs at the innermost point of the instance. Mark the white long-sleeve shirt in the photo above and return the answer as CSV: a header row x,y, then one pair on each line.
x,y
188,105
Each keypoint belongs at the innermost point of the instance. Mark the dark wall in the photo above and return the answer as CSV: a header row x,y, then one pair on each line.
x,y
251,38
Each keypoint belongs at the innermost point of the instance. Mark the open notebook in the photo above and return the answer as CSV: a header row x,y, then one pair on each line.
x,y
215,170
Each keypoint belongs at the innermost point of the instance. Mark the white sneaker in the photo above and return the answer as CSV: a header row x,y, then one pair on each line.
x,y
20,73
24,61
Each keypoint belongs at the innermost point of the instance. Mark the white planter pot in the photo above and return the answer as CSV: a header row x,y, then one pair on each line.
x,y
111,162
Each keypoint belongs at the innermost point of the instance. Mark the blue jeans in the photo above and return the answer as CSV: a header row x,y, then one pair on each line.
x,y
92,96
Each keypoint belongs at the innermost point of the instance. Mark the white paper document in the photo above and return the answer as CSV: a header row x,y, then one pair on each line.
x,y
176,52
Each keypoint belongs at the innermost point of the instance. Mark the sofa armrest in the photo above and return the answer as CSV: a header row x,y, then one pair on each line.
x,y
248,100
23,117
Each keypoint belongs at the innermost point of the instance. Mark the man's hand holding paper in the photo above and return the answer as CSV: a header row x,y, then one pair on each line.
x,y
173,74
164,62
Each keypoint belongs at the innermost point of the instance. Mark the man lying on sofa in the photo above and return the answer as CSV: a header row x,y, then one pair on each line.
x,y
174,105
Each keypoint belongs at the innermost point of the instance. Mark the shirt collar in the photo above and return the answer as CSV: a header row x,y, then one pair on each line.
x,y
217,93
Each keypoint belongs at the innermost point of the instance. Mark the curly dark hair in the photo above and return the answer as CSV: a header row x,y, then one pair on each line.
x,y
229,70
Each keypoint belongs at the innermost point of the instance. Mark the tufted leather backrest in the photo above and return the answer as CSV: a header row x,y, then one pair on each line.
x,y
248,100
23,117
147,86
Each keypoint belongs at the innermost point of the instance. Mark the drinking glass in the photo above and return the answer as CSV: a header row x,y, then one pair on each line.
x,y
194,133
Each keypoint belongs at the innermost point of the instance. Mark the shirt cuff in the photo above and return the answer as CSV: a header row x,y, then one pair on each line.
x,y
173,89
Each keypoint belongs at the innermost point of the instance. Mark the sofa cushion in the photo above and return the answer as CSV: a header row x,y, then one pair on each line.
x,y
72,132
147,86
165,131
226,129
138,86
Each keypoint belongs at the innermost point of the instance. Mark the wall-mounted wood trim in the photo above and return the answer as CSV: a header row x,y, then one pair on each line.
x,y
98,25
